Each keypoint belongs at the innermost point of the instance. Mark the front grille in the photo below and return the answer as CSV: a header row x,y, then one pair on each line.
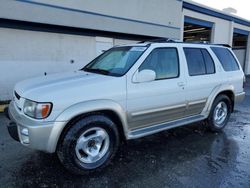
x,y
16,95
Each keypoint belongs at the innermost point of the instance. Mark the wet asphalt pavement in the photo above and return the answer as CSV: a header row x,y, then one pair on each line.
x,y
190,156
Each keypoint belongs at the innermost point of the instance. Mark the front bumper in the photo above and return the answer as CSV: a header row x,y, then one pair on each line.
x,y
36,134
12,127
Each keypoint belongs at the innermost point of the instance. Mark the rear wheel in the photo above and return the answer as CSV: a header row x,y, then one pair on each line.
x,y
89,144
220,113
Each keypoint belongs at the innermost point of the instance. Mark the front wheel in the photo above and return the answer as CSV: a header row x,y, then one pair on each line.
x,y
89,144
220,113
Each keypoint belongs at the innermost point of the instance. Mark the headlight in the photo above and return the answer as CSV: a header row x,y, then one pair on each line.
x,y
36,110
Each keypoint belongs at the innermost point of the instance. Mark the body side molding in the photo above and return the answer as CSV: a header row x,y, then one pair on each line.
x,y
163,126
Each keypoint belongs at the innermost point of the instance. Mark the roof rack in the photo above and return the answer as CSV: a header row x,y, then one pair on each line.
x,y
169,40
198,42
158,40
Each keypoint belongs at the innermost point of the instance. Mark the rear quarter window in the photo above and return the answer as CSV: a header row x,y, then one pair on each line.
x,y
226,58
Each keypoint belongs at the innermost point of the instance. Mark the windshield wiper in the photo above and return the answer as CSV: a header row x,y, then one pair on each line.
x,y
101,71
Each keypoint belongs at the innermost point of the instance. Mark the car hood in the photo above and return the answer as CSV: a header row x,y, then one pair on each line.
x,y
59,86
54,80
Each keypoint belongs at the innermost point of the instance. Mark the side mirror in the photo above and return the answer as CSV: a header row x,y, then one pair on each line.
x,y
144,76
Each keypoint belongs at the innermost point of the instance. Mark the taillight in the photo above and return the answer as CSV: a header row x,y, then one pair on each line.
x,y
244,82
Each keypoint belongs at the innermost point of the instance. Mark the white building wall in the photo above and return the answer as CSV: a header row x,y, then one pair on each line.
x,y
25,54
243,27
121,41
141,17
144,10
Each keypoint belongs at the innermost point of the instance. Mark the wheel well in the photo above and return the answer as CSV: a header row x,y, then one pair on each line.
x,y
230,95
109,113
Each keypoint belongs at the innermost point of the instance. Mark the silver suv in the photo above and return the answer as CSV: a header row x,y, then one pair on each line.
x,y
128,92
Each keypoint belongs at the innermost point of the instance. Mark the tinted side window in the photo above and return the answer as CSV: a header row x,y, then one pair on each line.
x,y
226,59
164,61
195,61
210,69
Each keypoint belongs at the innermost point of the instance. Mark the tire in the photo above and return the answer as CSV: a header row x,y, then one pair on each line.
x,y
89,145
216,120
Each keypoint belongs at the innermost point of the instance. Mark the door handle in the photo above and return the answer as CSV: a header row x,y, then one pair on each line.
x,y
181,84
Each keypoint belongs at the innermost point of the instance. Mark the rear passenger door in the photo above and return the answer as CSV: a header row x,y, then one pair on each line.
x,y
201,78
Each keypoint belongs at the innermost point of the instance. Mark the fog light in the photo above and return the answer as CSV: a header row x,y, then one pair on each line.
x,y
25,139
25,136
25,131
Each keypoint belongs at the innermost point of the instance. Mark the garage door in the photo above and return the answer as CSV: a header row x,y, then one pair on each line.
x,y
196,30
240,45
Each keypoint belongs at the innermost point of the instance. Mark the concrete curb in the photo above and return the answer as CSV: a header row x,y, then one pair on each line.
x,y
2,106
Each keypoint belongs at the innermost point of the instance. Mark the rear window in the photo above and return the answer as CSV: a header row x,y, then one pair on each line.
x,y
199,61
226,59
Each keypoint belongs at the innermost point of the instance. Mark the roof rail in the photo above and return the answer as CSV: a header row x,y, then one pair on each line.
x,y
205,42
166,40
158,40
225,45
198,42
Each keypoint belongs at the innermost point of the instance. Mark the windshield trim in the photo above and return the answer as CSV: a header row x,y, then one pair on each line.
x,y
112,74
100,71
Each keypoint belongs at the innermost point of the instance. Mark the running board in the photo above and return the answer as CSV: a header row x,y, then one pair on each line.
x,y
163,126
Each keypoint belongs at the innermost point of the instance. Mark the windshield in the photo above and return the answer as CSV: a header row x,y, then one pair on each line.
x,y
116,61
